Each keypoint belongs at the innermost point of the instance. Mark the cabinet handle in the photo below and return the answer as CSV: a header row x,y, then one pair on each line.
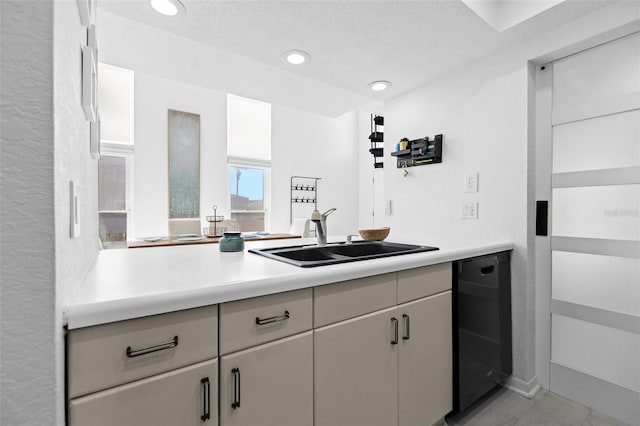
x,y
206,399
263,321
486,270
394,331
236,388
161,347
406,323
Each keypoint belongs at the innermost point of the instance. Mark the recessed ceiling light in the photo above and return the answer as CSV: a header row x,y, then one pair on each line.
x,y
379,85
168,7
296,57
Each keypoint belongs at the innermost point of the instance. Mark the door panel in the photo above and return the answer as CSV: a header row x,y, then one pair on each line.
x,y
600,351
603,143
597,74
605,282
355,369
178,397
425,364
609,212
273,384
595,280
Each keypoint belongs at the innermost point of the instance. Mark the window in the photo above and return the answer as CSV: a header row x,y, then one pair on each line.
x,y
115,166
184,164
249,162
112,200
115,104
247,185
115,169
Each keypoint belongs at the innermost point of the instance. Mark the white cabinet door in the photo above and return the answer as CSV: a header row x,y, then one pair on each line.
x,y
270,384
186,396
425,363
356,371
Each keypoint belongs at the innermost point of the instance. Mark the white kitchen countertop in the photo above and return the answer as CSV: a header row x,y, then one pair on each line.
x,y
130,283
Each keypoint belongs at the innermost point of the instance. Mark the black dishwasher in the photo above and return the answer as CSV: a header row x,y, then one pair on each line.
x,y
481,327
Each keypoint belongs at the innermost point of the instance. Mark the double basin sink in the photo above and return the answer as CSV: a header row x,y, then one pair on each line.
x,y
310,256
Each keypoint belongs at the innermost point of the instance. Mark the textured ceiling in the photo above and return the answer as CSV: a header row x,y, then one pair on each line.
x,y
353,42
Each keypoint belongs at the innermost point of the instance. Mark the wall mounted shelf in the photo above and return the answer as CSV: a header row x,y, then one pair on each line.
x,y
376,139
420,152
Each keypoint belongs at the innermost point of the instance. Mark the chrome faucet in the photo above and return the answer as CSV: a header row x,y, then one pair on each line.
x,y
321,225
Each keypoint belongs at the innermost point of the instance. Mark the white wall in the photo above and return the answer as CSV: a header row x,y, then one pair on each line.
x,y
484,113
483,118
28,372
153,96
306,144
45,143
302,144
73,162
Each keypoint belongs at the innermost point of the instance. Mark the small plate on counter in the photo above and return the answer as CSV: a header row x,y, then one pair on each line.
x,y
193,238
253,235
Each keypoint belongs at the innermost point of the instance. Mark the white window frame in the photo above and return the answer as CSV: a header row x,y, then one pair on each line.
x,y
127,151
265,165
253,164
131,75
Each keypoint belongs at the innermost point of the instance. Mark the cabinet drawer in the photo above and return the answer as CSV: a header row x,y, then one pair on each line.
x,y
349,299
181,397
249,322
422,282
112,354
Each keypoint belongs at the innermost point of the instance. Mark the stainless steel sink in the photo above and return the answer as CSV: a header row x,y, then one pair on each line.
x,y
310,256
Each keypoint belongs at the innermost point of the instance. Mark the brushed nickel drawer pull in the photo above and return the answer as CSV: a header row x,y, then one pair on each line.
x,y
263,321
161,347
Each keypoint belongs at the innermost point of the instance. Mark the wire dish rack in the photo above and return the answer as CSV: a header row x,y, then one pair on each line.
x,y
214,230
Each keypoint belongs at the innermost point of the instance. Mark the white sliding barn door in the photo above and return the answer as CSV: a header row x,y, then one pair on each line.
x,y
594,250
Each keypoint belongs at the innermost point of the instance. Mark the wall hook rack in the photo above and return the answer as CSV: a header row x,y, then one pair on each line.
x,y
420,152
377,140
303,190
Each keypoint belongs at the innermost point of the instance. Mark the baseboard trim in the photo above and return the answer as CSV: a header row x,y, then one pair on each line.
x,y
519,386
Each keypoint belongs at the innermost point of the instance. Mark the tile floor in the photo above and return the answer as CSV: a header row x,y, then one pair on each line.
x,y
503,407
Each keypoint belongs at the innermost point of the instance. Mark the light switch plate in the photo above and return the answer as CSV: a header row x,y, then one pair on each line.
x,y
74,210
473,210
471,182
469,210
94,143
